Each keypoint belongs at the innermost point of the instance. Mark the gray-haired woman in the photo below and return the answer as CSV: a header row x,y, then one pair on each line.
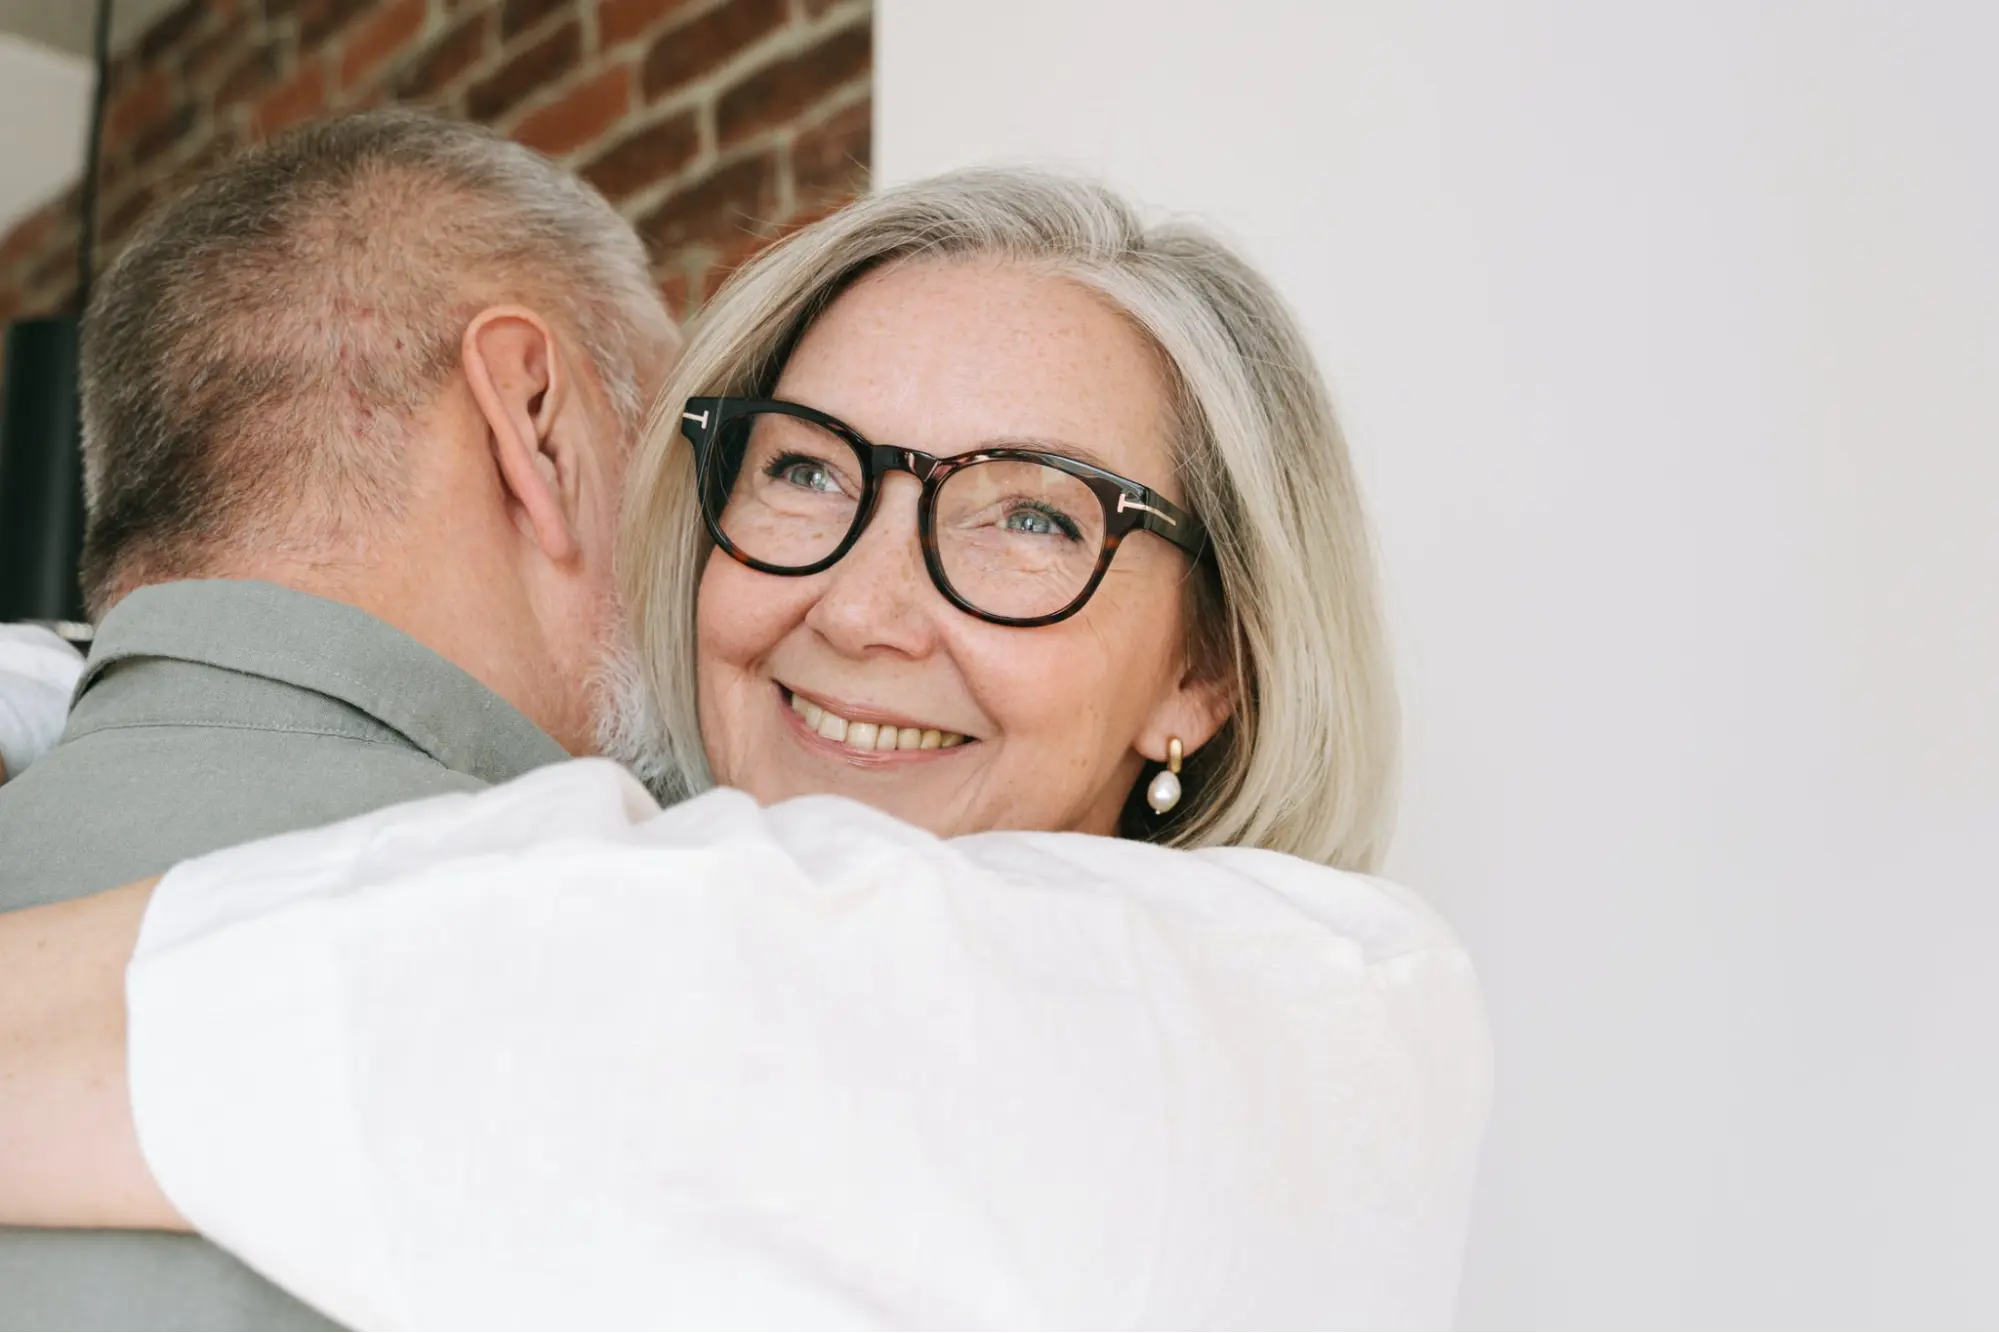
x,y
1009,518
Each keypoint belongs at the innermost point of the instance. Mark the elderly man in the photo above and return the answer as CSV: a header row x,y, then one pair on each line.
x,y
356,414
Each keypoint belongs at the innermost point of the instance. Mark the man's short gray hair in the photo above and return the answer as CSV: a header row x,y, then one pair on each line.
x,y
252,361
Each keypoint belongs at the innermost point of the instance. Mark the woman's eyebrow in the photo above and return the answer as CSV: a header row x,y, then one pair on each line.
x,y
1081,453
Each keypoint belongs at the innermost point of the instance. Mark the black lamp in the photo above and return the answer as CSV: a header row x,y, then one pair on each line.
x,y
41,460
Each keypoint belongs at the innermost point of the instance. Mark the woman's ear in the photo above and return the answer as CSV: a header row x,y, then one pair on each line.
x,y
515,370
1193,713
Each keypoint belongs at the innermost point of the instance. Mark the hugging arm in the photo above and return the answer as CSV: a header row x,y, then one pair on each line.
x,y
550,1056
69,1152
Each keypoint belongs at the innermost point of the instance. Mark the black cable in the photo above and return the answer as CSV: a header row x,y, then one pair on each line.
x,y
86,241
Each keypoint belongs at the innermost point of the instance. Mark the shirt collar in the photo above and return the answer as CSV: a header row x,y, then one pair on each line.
x,y
333,649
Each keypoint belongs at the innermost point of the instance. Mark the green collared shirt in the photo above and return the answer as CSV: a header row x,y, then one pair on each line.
x,y
214,713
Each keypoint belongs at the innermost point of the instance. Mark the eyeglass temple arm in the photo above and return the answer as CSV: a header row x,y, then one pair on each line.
x,y
697,419
1160,515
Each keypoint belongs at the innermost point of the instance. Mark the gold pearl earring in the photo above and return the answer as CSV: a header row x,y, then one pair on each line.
x,y
1164,792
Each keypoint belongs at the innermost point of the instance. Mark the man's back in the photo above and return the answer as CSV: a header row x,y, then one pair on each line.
x,y
213,713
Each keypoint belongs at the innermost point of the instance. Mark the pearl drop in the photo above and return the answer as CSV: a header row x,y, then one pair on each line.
x,y
1164,792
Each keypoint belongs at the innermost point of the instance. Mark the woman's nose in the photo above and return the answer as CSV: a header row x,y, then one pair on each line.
x,y
879,595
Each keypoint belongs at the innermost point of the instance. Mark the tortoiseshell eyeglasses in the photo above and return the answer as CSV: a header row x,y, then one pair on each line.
x,y
1013,536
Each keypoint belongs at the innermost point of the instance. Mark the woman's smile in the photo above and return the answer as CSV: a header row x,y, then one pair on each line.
x,y
870,667
859,734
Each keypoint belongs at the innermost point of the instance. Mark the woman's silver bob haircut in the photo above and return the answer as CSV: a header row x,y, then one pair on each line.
x,y
1282,610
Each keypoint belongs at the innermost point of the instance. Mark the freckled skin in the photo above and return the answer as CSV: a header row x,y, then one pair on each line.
x,y
947,356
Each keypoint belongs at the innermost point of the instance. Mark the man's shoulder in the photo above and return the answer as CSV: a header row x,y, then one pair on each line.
x,y
110,806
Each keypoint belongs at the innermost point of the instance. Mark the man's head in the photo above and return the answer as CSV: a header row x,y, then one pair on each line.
x,y
390,359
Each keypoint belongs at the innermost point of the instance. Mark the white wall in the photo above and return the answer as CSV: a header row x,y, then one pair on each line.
x,y
1667,337
44,118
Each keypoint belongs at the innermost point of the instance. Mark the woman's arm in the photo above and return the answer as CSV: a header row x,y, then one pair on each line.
x,y
548,1056
68,1154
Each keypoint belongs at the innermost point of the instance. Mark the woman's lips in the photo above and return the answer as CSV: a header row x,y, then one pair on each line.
x,y
874,739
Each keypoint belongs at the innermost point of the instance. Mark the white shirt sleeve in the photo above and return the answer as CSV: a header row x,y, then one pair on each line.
x,y
37,673
549,1057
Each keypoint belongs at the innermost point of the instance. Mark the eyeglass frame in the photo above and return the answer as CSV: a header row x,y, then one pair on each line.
x,y
1127,505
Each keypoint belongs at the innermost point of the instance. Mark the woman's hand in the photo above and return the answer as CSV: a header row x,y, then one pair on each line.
x,y
69,1155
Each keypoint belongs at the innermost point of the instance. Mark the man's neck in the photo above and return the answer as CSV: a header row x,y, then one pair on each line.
x,y
473,623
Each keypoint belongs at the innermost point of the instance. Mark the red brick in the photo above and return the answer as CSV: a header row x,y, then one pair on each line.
x,y
446,58
526,74
213,149
646,158
30,234
38,307
818,208
257,70
300,99
581,116
206,58
160,137
675,291
720,207
124,68
120,220
366,98
150,97
321,19
619,21
832,157
386,33
55,275
517,16
728,258
777,93
567,77
168,30
685,53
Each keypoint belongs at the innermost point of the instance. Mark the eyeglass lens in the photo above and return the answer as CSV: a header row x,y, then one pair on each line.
x,y
1015,538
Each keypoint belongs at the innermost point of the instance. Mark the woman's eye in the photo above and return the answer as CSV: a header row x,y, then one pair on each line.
x,y
806,473
1036,522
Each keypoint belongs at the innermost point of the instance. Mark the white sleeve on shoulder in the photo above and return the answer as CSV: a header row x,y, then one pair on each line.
x,y
37,673
550,1057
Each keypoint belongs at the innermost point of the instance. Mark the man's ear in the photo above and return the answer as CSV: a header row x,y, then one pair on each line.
x,y
1193,712
521,384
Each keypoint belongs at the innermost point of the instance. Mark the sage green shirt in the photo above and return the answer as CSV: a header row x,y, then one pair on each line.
x,y
213,713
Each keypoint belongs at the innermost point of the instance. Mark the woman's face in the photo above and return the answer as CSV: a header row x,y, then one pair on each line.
x,y
949,357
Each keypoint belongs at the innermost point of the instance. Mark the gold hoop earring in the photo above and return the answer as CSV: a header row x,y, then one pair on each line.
x,y
1164,792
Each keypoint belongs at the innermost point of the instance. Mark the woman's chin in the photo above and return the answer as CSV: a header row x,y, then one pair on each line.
x,y
910,794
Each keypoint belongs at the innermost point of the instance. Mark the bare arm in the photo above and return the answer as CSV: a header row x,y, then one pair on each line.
x,y
69,1154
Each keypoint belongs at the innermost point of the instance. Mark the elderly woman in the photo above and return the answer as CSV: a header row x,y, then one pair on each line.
x,y
979,517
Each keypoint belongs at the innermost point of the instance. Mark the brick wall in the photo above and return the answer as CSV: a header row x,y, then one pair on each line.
x,y
711,124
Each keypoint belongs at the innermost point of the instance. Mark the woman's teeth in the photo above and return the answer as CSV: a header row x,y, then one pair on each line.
x,y
869,736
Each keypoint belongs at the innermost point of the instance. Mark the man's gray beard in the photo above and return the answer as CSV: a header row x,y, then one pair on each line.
x,y
629,728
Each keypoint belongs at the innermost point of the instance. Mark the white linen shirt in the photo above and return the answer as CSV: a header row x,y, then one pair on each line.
x,y
38,672
547,1056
